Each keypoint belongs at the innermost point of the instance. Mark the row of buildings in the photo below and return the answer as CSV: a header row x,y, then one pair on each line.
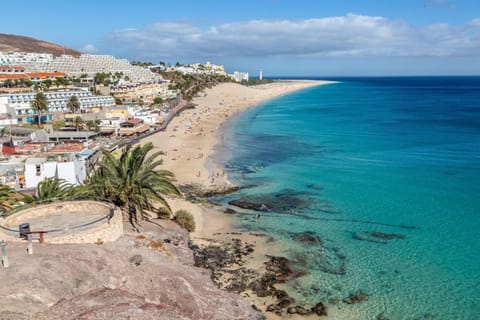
x,y
86,65
28,156
16,108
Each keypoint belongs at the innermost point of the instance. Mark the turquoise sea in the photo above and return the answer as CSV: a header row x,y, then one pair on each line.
x,y
386,173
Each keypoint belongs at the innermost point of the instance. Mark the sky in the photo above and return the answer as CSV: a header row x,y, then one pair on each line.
x,y
282,37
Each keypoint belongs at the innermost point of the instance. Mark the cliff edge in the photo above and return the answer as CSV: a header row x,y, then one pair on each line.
x,y
146,275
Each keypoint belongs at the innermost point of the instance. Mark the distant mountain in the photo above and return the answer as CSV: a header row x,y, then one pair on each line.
x,y
10,42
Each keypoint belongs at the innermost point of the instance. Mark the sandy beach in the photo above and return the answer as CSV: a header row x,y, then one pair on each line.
x,y
190,137
188,144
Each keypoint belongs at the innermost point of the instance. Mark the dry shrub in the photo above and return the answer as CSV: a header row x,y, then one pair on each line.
x,y
157,246
185,220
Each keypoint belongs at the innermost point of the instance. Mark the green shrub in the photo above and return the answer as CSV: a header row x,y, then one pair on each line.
x,y
185,220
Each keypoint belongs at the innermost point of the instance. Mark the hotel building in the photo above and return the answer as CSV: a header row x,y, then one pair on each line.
x,y
17,105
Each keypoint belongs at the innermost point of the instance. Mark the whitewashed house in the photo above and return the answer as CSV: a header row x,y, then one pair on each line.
x,y
37,169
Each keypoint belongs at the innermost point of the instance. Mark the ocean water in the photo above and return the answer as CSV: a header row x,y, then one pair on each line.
x,y
385,172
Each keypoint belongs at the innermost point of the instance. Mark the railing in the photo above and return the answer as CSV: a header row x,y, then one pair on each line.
x,y
41,233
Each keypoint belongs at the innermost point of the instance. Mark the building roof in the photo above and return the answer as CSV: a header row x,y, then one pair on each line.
x,y
41,75
134,121
35,160
12,67
72,134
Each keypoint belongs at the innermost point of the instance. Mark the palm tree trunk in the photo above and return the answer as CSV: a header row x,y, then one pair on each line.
x,y
39,118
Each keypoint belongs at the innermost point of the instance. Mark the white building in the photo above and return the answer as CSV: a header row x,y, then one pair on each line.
x,y
17,105
199,68
16,58
149,116
240,76
111,125
92,64
37,169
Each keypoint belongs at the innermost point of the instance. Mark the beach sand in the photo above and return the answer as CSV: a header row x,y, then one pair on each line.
x,y
190,137
188,145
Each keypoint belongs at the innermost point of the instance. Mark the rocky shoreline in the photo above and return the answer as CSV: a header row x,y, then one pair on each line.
x,y
227,259
228,256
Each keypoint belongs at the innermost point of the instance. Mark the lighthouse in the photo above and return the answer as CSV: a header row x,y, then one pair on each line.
x,y
260,76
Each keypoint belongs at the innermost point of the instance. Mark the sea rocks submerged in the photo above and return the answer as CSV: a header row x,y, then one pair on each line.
x,y
284,201
307,238
356,298
376,236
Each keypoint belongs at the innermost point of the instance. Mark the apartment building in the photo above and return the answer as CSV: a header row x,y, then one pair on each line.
x,y
18,104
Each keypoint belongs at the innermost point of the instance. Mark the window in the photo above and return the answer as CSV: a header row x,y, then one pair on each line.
x,y
38,169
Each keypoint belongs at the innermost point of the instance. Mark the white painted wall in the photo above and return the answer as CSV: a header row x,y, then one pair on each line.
x,y
73,172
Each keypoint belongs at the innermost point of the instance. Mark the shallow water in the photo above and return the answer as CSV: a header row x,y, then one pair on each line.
x,y
391,155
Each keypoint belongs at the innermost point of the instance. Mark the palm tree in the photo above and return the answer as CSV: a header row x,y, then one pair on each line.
x,y
73,104
92,125
6,194
53,188
134,182
39,104
78,122
3,132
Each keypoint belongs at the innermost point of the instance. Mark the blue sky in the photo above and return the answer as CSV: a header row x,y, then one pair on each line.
x,y
301,37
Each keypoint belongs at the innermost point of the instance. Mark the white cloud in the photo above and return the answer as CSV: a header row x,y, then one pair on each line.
x,y
88,48
349,35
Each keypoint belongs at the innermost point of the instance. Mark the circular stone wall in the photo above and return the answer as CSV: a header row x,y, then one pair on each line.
x,y
67,222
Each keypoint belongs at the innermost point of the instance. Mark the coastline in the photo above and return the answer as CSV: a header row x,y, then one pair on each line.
x,y
189,144
189,141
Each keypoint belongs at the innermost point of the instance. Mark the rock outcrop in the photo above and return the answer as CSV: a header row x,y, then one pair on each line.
x,y
147,275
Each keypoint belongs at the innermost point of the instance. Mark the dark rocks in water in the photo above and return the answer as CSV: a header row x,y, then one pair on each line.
x,y
197,192
307,238
246,204
229,211
356,298
376,236
282,268
284,201
314,187
326,259
320,309
382,316
300,310
386,236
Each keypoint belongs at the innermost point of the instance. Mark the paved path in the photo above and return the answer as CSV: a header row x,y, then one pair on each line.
x,y
63,220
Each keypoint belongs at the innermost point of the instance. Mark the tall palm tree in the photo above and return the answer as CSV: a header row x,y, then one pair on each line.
x,y
53,188
6,194
73,104
78,122
134,181
92,125
39,104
